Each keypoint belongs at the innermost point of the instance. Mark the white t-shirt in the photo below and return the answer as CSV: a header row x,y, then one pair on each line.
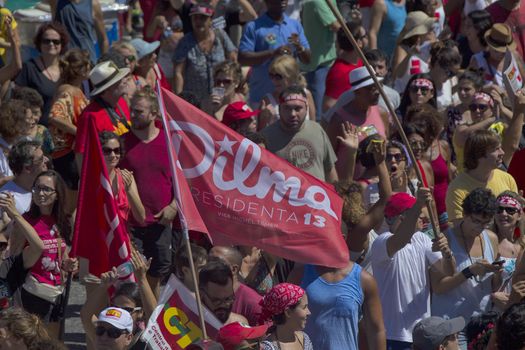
x,y
403,285
22,197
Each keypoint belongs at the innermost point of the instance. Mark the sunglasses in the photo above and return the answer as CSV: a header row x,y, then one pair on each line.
x,y
113,333
398,157
131,310
418,145
276,76
477,106
223,82
55,42
509,210
130,58
107,151
424,90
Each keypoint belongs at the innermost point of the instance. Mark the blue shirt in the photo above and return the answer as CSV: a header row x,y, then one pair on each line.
x,y
266,34
336,309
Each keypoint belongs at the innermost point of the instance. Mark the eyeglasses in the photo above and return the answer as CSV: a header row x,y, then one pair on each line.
x,y
398,157
220,301
415,89
223,82
478,106
112,332
509,210
55,42
43,189
276,76
107,151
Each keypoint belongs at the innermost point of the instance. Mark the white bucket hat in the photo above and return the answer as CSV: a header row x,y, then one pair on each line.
x,y
104,75
360,78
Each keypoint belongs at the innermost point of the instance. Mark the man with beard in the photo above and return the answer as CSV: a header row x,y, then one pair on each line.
x,y
362,112
147,157
301,142
216,291
483,156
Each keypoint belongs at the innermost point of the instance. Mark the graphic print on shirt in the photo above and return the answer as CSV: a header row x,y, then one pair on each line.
x,y
300,153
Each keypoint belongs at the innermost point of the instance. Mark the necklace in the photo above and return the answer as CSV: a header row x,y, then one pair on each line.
x,y
476,278
296,339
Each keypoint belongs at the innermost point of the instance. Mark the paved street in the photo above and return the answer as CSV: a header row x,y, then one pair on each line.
x,y
75,338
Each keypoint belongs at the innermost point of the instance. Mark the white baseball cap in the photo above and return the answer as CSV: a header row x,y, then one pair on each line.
x,y
117,317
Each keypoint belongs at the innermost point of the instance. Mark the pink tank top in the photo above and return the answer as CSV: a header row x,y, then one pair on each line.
x,y
121,198
439,165
47,269
373,118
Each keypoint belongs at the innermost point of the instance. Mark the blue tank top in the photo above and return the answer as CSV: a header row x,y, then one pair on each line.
x,y
393,23
336,309
78,20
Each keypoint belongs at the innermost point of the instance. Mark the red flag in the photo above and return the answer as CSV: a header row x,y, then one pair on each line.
x,y
249,196
189,216
174,323
99,235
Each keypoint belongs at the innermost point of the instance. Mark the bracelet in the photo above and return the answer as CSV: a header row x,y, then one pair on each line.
x,y
467,273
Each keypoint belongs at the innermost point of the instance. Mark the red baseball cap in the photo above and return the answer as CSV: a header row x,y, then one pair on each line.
x,y
237,111
398,203
233,334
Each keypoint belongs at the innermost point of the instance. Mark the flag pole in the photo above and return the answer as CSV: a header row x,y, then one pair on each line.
x,y
340,19
182,219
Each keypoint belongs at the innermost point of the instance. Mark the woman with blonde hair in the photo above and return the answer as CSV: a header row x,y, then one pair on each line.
x,y
20,329
228,87
284,71
69,103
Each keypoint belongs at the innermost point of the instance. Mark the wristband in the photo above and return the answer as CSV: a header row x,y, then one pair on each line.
x,y
467,273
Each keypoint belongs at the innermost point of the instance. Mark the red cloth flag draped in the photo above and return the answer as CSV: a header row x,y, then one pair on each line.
x,y
99,235
249,196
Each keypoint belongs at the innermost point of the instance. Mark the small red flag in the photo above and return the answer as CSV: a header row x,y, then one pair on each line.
x,y
249,196
99,235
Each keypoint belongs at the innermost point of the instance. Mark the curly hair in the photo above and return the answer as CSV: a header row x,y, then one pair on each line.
x,y
353,207
478,143
479,329
73,65
428,115
57,27
480,201
29,95
23,325
12,114
510,329
21,155
105,136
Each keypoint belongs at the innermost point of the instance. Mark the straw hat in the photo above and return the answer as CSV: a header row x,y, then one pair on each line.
x,y
104,75
417,23
499,38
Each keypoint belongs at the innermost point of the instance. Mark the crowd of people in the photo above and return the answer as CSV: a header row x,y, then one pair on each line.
x,y
434,224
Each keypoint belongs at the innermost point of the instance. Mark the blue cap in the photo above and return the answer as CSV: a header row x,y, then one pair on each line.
x,y
143,47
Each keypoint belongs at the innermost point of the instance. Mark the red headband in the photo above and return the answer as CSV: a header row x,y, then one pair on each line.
x,y
484,97
422,82
279,299
509,201
294,97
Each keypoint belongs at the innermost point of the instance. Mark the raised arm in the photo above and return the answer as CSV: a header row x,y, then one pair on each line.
x,y
247,11
346,152
33,251
140,267
378,12
10,71
512,134
137,208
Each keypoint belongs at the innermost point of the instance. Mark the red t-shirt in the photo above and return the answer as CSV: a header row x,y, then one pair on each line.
x,y
516,169
102,122
150,165
338,78
247,304
514,19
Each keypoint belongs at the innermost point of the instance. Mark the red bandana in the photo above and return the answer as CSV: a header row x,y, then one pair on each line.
x,y
279,299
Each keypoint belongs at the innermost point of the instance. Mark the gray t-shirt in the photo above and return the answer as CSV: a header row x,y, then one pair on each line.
x,y
308,149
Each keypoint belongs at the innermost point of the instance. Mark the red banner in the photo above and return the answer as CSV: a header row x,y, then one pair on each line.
x,y
99,236
248,196
175,322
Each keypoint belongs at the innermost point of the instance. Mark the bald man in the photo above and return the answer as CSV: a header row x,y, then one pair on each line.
x,y
246,299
